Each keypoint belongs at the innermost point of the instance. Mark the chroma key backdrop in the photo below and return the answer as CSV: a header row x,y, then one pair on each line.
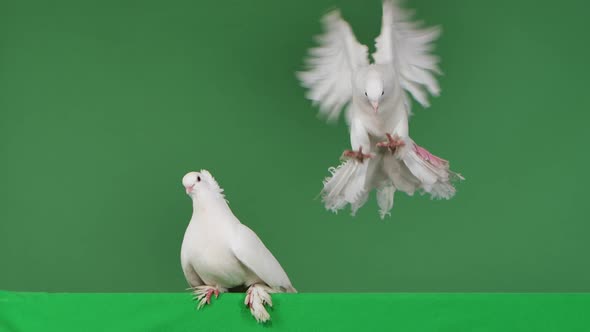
x,y
105,105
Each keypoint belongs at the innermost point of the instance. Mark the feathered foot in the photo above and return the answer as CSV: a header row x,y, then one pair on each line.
x,y
392,143
429,157
358,155
256,297
203,294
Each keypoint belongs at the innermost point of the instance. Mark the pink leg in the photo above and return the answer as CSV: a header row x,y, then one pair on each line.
x,y
211,292
208,296
249,298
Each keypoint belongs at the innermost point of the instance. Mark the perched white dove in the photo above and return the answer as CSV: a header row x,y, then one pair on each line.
x,y
375,96
219,253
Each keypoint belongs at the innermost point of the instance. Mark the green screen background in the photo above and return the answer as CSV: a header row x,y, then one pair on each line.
x,y
105,105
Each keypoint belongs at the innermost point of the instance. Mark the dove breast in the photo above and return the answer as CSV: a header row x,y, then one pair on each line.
x,y
206,250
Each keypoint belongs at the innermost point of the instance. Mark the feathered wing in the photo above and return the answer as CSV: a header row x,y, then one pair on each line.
x,y
330,66
406,46
251,252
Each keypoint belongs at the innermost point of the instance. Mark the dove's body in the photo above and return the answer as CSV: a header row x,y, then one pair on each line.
x,y
218,252
206,248
367,127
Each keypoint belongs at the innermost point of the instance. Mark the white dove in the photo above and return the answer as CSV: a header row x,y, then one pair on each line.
x,y
220,253
383,156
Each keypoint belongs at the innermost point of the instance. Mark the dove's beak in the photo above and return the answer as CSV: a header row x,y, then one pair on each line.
x,y
375,105
189,189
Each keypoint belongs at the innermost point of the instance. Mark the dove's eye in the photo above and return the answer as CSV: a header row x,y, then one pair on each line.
x,y
382,93
366,93
198,179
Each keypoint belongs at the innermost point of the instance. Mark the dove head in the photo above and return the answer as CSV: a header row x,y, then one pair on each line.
x,y
373,88
201,183
371,84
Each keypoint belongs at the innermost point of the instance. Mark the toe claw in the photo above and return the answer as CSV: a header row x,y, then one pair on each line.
x,y
203,295
358,155
392,143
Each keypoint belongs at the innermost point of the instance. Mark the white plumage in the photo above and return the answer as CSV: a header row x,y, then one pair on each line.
x,y
375,96
220,253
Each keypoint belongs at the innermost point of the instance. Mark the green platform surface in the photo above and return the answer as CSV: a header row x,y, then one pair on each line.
x,y
296,312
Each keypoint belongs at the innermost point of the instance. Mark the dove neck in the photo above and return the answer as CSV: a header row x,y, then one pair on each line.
x,y
205,202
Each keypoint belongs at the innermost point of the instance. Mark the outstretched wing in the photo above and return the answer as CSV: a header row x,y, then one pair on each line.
x,y
251,252
406,46
331,64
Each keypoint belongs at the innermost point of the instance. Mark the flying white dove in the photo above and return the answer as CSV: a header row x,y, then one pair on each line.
x,y
375,96
219,253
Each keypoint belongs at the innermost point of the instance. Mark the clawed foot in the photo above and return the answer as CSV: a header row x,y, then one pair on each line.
x,y
392,143
358,155
203,294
